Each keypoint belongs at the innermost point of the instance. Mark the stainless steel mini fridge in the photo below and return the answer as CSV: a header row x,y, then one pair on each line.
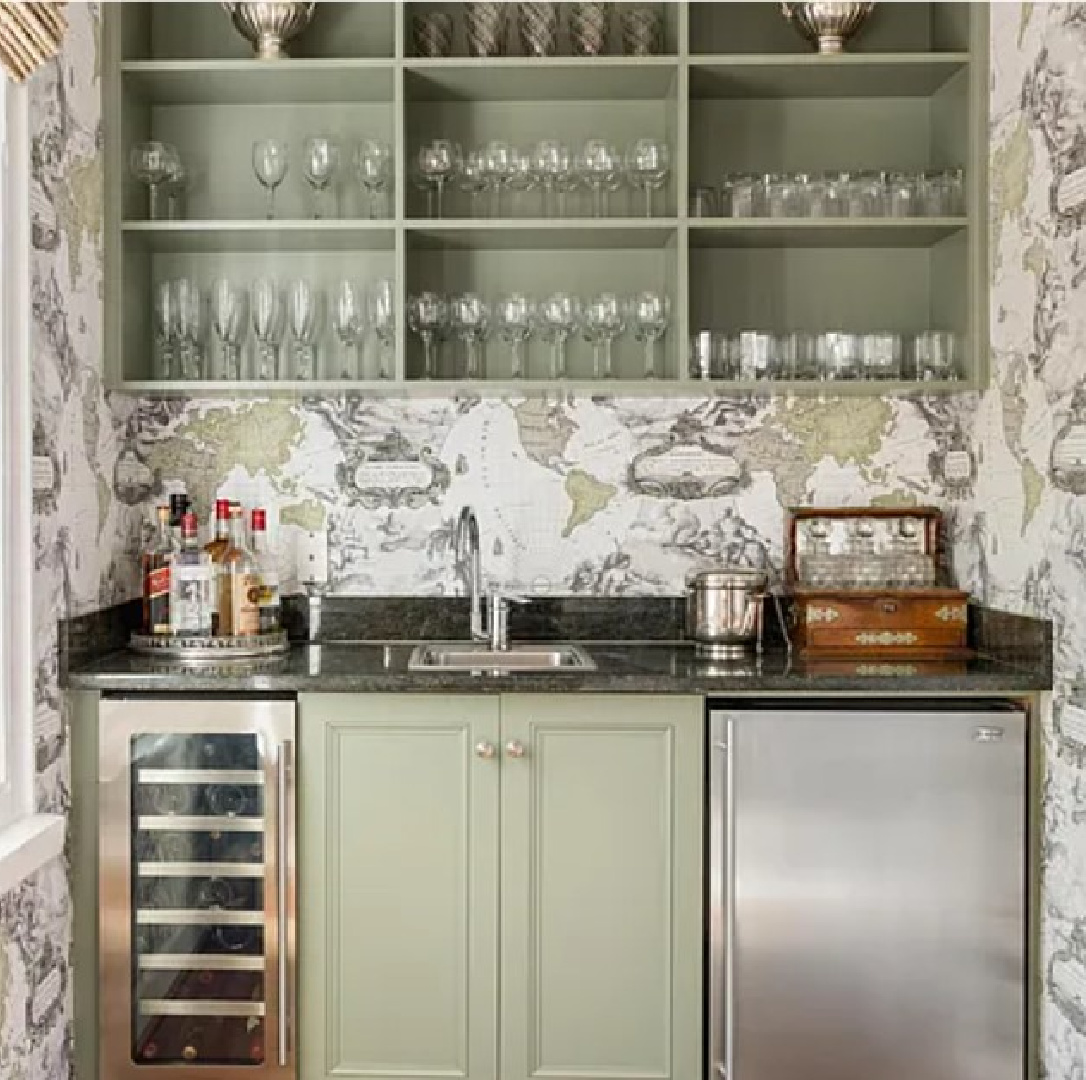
x,y
197,898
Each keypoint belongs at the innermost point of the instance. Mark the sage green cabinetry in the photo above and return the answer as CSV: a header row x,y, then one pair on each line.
x,y
500,886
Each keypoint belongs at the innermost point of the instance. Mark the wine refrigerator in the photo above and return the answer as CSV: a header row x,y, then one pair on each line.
x,y
197,888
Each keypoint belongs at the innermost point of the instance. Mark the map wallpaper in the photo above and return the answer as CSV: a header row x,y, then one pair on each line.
x,y
583,495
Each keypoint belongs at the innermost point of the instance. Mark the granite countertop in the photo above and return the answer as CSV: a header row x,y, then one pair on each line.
x,y
366,645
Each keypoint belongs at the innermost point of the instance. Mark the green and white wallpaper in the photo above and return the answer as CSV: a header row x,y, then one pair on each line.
x,y
599,496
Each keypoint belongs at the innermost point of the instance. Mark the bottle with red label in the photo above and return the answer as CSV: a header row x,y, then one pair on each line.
x,y
157,561
269,573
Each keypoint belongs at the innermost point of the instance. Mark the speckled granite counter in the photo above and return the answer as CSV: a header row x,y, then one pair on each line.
x,y
1014,657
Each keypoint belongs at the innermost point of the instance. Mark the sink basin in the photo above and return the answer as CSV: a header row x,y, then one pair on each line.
x,y
477,656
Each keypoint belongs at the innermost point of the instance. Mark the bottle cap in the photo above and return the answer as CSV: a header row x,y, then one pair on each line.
x,y
179,503
260,521
188,524
222,509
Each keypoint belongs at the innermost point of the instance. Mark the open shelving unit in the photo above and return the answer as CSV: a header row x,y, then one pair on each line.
x,y
736,90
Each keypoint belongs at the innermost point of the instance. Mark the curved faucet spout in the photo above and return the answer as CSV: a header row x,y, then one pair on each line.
x,y
469,566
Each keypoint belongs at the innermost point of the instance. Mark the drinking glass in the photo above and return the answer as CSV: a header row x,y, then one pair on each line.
x,y
880,356
153,163
469,318
438,162
165,327
902,195
521,178
270,163
936,356
601,168
702,202
269,324
320,161
427,316
604,321
189,314
754,354
177,183
780,195
559,320
553,164
230,322
739,195
381,313
305,308
515,315
648,165
499,158
348,324
649,314
473,178
373,167
867,195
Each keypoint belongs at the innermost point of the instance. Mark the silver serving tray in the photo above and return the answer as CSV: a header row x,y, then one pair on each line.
x,y
214,649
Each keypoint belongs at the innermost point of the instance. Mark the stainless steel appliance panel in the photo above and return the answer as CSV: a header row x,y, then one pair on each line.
x,y
868,897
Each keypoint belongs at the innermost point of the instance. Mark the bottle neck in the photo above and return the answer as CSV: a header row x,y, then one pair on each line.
x,y
222,528
237,532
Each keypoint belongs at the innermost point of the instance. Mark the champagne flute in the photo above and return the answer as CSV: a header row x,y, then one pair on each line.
x,y
649,314
373,167
154,163
189,313
165,324
270,163
604,321
517,319
469,316
319,164
559,319
348,323
648,165
305,309
269,324
427,316
381,311
230,321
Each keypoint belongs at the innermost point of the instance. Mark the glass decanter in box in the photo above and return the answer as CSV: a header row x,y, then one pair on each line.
x,y
873,581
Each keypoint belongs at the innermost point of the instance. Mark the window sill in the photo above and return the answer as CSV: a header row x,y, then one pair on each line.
x,y
27,845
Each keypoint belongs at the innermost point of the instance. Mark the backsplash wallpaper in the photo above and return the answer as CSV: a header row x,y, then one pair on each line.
x,y
587,495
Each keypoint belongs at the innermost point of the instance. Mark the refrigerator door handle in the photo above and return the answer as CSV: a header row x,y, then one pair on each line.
x,y
284,777
722,895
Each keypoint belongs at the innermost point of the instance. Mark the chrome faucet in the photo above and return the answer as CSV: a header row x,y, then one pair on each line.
x,y
469,564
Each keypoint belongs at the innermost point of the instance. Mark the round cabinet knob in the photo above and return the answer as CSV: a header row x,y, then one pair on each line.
x,y
485,750
516,749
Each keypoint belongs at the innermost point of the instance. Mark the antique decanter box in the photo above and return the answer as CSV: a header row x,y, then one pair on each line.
x,y
873,581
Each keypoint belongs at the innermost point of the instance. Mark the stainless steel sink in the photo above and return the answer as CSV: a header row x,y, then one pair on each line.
x,y
478,656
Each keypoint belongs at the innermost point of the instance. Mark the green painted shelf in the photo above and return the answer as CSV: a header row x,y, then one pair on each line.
x,y
207,237
822,233
554,234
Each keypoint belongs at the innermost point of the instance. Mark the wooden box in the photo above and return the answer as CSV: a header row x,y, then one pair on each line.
x,y
873,582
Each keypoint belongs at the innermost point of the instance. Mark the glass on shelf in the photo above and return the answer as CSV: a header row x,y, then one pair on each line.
x,y
739,196
702,202
902,195
880,356
936,356
867,195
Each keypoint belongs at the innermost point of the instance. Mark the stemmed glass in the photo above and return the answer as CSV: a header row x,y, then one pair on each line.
x,y
559,319
499,157
473,178
319,164
269,324
601,168
305,307
348,321
165,328
553,165
648,165
521,178
270,163
373,167
469,318
649,314
189,314
603,322
427,316
381,311
438,162
515,315
230,321
154,163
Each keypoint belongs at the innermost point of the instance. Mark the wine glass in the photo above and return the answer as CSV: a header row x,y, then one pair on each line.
x,y
270,163
381,312
515,316
427,316
320,161
559,319
469,318
473,178
165,331
348,323
373,167
521,178
649,314
269,324
230,321
499,167
189,315
604,321
438,162
305,310
153,163
601,168
177,184
553,165
648,165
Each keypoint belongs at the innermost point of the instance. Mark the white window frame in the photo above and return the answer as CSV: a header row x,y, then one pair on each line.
x,y
28,839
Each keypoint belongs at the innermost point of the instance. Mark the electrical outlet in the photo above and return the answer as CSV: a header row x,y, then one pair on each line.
x,y
313,558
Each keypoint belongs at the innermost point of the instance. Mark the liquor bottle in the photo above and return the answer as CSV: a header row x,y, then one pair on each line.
x,y
269,574
179,506
221,540
191,595
238,584
156,578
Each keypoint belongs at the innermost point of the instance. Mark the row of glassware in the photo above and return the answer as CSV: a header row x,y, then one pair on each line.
x,y
866,194
516,319
752,355
487,25
551,166
205,335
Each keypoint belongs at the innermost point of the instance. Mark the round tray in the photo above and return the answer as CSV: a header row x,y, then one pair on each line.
x,y
203,649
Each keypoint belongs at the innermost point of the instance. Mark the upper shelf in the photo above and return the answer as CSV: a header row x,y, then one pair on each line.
x,y
534,234
822,232
245,82
329,234
875,75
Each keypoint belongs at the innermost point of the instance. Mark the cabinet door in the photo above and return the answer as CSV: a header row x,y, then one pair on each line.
x,y
601,887
878,885
398,886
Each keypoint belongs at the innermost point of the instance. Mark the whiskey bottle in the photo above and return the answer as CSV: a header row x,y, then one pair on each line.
x,y
218,544
238,584
191,599
157,560
269,574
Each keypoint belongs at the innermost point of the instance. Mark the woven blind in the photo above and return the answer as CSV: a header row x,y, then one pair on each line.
x,y
29,35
